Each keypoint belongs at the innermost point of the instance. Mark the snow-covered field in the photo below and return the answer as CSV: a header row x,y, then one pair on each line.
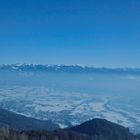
x,y
67,108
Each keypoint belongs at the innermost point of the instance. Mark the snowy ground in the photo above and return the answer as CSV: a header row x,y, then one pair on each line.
x,y
68,108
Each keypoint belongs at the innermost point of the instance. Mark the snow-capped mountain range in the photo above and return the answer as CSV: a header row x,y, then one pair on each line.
x,y
70,68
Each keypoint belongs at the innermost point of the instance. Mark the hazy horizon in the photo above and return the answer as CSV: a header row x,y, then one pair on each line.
x,y
92,66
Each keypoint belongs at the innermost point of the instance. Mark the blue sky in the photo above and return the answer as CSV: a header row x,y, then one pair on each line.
x,y
102,33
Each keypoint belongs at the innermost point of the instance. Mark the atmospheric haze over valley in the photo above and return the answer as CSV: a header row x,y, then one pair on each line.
x,y
71,95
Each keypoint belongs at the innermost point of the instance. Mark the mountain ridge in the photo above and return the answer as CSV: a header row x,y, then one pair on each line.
x,y
69,69
103,129
20,122
100,132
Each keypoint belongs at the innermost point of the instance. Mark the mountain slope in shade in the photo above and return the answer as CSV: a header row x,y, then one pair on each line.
x,y
104,129
96,129
20,122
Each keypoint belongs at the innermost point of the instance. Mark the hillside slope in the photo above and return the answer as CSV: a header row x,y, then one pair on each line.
x,y
104,129
96,129
20,122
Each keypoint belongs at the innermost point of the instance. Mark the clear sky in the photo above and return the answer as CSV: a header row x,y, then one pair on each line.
x,y
88,32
